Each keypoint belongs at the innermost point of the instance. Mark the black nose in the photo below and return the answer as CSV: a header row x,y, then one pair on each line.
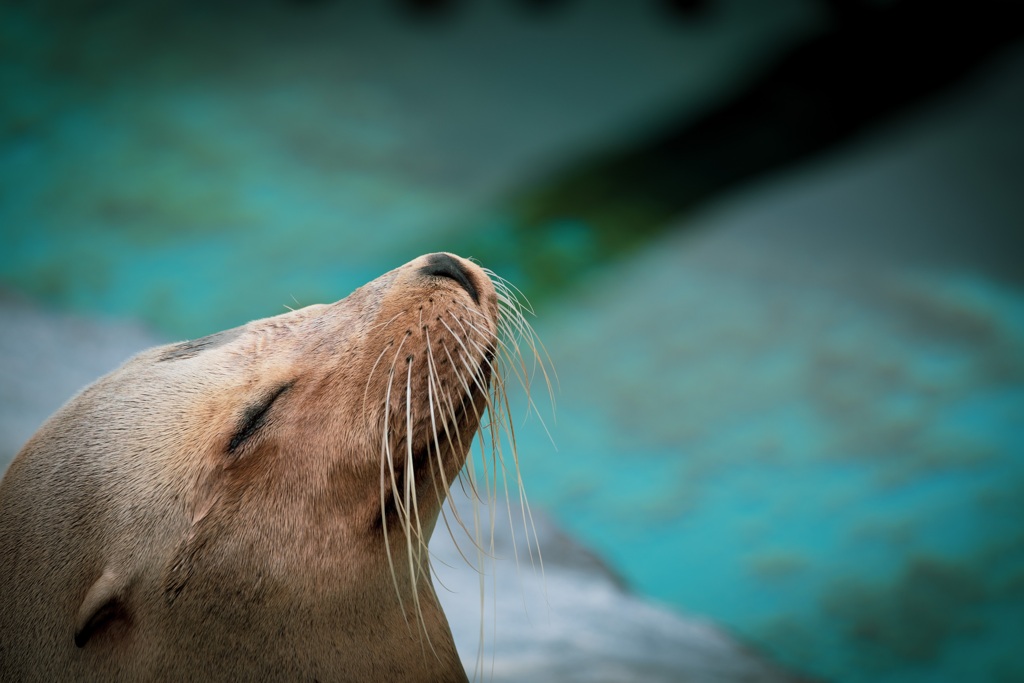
x,y
443,265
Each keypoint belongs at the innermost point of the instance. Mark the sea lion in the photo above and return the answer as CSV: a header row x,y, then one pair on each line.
x,y
256,504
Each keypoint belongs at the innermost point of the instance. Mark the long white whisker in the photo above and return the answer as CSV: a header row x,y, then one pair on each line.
x,y
473,354
432,378
412,505
386,459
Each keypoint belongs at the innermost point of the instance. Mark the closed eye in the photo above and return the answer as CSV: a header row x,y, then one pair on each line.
x,y
254,417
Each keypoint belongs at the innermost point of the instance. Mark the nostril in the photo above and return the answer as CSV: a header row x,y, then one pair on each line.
x,y
443,265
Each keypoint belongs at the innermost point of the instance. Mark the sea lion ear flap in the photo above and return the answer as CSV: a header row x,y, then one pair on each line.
x,y
102,606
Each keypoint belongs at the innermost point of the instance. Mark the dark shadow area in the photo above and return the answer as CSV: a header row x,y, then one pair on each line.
x,y
876,61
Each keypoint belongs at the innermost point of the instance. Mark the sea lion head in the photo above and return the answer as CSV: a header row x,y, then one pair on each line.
x,y
363,409
264,494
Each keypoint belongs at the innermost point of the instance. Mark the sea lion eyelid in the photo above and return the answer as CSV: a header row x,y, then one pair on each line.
x,y
254,417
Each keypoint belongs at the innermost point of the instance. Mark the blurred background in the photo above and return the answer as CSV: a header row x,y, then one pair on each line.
x,y
775,250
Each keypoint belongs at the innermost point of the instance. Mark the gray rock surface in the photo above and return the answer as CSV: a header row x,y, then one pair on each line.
x,y
572,620
46,358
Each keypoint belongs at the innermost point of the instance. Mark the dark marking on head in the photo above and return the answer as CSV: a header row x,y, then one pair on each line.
x,y
254,417
443,265
188,349
104,618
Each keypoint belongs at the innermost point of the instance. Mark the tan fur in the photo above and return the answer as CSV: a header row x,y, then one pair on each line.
x,y
129,521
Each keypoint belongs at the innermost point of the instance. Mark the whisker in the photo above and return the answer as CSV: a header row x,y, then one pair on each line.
x,y
369,378
385,323
460,409
386,458
415,564
431,393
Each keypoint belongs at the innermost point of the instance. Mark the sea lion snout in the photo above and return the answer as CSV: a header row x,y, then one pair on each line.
x,y
446,265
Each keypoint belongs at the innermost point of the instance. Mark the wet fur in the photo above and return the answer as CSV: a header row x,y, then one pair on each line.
x,y
257,504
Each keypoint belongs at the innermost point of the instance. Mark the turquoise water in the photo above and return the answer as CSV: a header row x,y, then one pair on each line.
x,y
104,210
837,477
880,543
